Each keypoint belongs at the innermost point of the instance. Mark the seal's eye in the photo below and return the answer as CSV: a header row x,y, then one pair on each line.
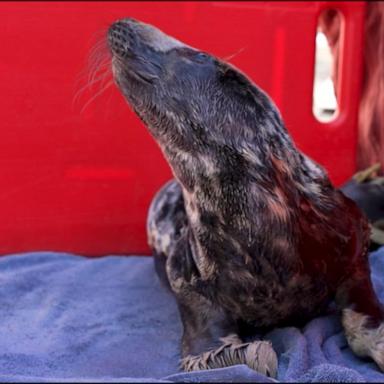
x,y
200,57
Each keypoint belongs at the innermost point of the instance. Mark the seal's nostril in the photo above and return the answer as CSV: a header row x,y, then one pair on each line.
x,y
119,31
123,36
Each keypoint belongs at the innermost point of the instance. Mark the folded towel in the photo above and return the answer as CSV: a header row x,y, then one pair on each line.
x,y
68,318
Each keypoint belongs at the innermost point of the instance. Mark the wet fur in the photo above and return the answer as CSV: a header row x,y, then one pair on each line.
x,y
251,231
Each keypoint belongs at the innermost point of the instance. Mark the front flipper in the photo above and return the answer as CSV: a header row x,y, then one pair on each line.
x,y
258,355
210,338
362,316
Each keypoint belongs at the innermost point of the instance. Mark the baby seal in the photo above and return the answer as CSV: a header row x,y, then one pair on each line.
x,y
251,233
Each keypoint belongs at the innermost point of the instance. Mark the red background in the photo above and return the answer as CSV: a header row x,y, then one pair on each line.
x,y
81,180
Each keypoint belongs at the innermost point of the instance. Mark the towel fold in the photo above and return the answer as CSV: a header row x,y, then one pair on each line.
x,y
64,317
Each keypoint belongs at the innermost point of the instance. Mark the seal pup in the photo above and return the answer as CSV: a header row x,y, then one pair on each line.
x,y
251,233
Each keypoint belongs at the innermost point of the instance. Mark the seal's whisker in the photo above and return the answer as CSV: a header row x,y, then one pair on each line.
x,y
93,77
96,95
100,41
104,77
101,67
96,70
89,84
228,58
99,46
97,55
99,73
98,35
98,51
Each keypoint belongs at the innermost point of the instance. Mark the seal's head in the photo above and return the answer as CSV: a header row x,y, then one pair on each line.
x,y
189,99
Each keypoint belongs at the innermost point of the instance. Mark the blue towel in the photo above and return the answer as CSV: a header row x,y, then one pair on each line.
x,y
68,318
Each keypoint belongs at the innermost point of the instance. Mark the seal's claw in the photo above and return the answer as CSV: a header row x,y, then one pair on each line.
x,y
258,355
376,350
364,340
378,357
262,358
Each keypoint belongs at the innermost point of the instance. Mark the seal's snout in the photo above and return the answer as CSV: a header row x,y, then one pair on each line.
x,y
120,37
127,35
139,50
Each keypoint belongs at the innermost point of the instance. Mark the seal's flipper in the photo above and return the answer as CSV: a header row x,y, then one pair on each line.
x,y
167,219
258,355
166,223
210,339
362,317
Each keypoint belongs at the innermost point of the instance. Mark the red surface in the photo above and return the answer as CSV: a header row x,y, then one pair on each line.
x,y
81,181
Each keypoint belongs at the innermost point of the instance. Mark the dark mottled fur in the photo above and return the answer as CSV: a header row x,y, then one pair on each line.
x,y
251,231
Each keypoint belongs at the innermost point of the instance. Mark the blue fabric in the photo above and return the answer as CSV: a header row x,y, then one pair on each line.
x,y
64,317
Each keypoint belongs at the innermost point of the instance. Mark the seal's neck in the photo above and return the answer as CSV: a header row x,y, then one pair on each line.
x,y
228,175
242,191
235,175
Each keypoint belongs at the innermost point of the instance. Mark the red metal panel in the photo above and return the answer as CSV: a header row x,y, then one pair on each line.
x,y
82,181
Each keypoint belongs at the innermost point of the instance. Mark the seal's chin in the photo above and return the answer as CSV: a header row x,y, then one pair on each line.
x,y
125,71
